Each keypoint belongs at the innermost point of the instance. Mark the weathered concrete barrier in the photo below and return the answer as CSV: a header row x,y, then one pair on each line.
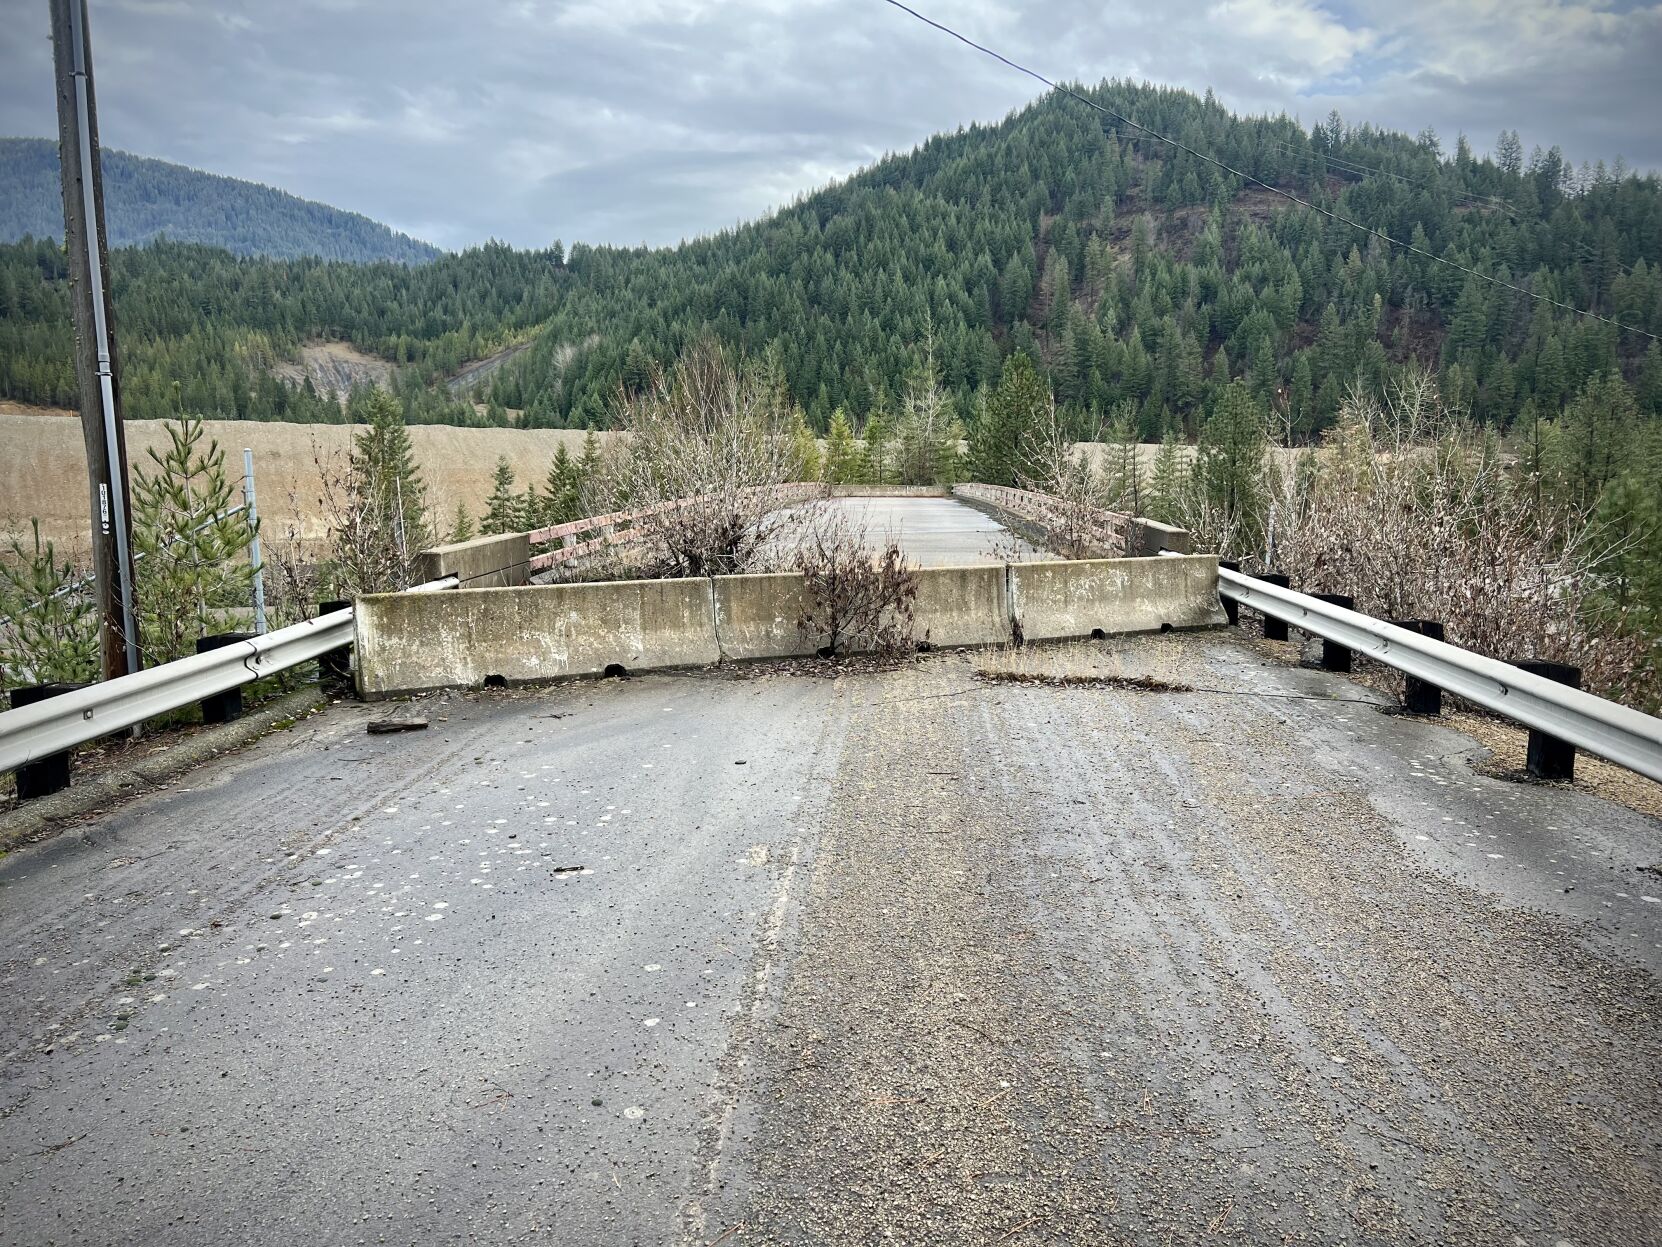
x,y
962,606
1054,600
412,642
759,616
483,563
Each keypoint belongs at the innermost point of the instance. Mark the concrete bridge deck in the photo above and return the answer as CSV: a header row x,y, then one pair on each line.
x,y
898,956
939,532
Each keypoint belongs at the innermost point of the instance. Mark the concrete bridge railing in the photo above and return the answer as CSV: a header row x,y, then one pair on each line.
x,y
1108,533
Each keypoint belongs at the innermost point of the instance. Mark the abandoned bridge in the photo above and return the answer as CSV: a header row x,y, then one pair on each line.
x,y
1156,933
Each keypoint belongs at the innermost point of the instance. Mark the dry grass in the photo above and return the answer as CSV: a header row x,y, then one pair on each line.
x,y
43,472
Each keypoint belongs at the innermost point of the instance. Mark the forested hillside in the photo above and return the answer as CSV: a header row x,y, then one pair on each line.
x,y
1132,273
148,199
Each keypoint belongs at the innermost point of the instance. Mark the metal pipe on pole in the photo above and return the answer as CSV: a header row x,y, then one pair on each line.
x,y
254,559
96,368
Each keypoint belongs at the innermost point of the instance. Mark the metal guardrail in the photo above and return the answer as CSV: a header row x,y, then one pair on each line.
x,y
58,723
1625,736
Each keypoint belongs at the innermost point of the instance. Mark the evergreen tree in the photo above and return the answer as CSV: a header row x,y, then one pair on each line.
x,y
1229,466
1167,482
999,442
502,507
1124,469
461,527
1595,437
385,471
842,456
191,571
561,489
876,448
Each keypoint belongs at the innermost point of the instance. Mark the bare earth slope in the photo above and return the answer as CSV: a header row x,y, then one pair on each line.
x,y
43,467
902,957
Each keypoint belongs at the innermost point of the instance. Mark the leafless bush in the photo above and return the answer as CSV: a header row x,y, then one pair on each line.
x,y
368,550
859,594
1413,513
292,578
1080,523
708,443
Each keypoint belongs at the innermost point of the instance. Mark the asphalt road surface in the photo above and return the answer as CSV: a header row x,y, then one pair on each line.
x,y
897,956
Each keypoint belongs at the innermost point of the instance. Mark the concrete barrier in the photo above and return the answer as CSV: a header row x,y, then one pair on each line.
x,y
483,563
757,616
1055,600
962,606
413,642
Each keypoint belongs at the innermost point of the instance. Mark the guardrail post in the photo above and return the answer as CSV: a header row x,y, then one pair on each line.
x,y
335,665
227,706
1549,757
1335,657
51,773
1274,629
1421,696
1231,608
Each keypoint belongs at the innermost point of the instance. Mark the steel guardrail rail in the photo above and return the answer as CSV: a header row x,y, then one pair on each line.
x,y
58,723
1619,733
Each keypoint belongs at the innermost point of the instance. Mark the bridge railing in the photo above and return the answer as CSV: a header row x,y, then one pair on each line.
x,y
580,539
1111,533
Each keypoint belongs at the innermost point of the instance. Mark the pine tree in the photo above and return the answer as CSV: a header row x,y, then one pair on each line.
x,y
842,456
999,442
502,507
385,474
1124,468
191,566
875,468
461,527
51,630
1229,468
1595,437
1167,482
561,494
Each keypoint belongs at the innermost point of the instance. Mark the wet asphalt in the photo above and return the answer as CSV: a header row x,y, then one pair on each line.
x,y
895,956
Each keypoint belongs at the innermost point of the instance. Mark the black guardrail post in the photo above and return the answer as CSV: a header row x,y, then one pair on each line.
x,y
51,773
1231,608
1421,696
336,665
1335,657
1548,756
1274,629
227,706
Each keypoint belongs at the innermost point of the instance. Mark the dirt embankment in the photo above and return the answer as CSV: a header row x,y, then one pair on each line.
x,y
334,368
43,467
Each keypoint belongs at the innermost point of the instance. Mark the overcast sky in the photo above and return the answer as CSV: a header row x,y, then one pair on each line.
x,y
632,121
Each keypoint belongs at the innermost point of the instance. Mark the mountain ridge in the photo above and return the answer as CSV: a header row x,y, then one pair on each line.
x,y
146,199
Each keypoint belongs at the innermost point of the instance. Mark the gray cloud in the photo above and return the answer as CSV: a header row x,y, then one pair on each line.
x,y
651,120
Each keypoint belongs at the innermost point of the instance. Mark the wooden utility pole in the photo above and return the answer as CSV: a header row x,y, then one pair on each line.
x,y
95,360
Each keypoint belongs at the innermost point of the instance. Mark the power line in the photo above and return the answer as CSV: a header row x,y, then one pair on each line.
x,y
1276,190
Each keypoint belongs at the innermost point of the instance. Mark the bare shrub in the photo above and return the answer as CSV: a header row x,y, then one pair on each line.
x,y
1413,512
1081,522
708,445
368,549
859,594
